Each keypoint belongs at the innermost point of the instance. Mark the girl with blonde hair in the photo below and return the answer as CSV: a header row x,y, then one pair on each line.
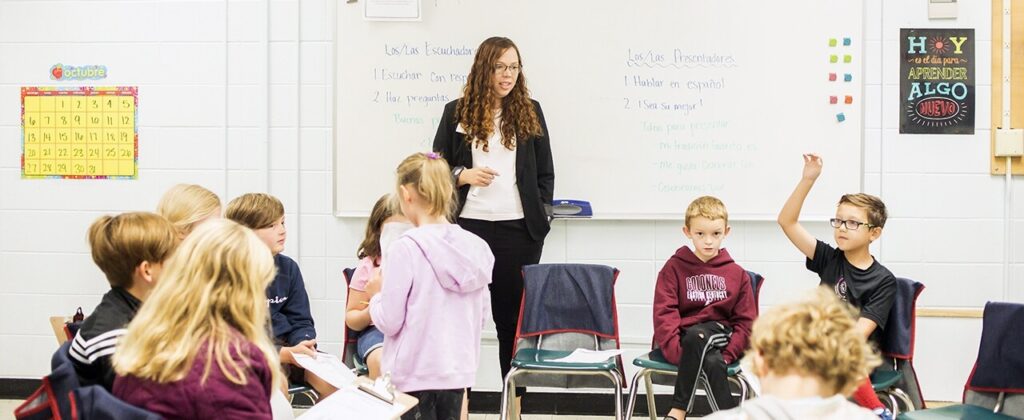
x,y
187,206
431,304
199,347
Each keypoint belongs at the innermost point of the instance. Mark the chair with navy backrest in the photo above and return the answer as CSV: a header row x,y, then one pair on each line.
x,y
61,396
895,381
654,369
565,307
995,388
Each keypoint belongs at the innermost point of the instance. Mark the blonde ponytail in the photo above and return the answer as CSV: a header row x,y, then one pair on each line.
x,y
430,176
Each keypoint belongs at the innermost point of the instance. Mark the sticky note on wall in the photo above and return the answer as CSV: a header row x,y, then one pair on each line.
x,y
847,77
833,58
831,77
847,41
840,117
832,42
847,58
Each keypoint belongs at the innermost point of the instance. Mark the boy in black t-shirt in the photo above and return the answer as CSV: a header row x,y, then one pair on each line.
x,y
851,271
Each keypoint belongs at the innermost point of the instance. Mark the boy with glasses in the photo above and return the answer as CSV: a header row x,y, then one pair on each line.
x,y
849,269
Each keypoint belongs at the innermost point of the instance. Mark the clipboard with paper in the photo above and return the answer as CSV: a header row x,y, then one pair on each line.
x,y
363,399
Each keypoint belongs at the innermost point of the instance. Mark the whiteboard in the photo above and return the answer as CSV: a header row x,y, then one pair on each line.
x,y
649,103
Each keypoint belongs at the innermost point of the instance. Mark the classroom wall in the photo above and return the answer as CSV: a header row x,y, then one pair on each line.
x,y
237,96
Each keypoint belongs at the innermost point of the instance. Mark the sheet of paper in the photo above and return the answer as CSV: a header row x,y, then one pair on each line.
x,y
588,356
327,367
352,404
407,10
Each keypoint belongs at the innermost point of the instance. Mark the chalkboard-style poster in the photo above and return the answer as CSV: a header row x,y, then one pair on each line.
x,y
937,81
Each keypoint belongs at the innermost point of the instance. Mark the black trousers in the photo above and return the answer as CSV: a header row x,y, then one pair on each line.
x,y
513,248
436,405
697,340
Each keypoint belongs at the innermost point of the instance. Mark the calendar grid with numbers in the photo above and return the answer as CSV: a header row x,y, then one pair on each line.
x,y
79,132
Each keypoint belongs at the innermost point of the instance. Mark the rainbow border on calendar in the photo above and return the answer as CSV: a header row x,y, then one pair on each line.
x,y
82,91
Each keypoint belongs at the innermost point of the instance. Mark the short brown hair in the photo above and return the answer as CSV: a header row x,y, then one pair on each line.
x,y
255,210
120,243
815,336
708,207
871,204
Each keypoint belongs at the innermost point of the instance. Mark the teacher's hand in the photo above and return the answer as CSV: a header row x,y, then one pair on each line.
x,y
477,177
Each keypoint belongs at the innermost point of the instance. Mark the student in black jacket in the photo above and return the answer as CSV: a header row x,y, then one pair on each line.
x,y
130,249
496,140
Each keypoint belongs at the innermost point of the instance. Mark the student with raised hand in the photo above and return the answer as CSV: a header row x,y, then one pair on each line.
x,y
496,140
291,319
188,206
130,249
848,269
199,349
433,300
809,355
703,308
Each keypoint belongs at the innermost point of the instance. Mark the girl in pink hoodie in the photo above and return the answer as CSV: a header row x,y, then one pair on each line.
x,y
432,299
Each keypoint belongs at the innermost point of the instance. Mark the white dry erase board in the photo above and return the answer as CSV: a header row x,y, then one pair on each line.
x,y
649,103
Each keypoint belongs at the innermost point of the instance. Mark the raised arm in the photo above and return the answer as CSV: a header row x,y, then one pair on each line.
x,y
790,214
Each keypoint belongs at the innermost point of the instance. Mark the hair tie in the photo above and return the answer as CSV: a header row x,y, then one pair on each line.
x,y
432,155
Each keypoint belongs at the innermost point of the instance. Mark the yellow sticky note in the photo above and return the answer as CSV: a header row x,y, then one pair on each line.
x,y
31,104
32,121
62,104
46,103
79,104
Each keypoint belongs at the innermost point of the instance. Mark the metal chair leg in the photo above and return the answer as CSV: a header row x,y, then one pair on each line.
x,y
618,393
902,396
631,402
506,402
652,409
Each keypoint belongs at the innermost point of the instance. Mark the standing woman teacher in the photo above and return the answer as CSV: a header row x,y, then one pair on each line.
x,y
496,141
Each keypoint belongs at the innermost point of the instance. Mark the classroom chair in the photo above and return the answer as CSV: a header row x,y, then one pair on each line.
x,y
895,381
348,352
995,388
654,369
61,396
565,307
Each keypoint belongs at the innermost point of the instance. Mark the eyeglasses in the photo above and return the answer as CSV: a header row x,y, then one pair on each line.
x,y
500,68
850,224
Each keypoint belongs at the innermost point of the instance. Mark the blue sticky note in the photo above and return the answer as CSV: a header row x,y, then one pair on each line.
x,y
840,117
847,42
847,77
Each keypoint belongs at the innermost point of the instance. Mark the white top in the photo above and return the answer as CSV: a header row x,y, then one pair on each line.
x,y
500,200
771,408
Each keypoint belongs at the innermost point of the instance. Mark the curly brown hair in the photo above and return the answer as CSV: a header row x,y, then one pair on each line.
x,y
476,108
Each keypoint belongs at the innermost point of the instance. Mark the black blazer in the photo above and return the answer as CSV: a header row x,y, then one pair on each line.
x,y
535,171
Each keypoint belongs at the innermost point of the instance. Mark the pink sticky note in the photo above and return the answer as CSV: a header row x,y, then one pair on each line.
x,y
833,100
831,77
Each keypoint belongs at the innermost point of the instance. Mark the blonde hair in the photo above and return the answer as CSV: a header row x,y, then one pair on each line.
x,y
255,210
874,207
429,176
707,207
815,336
213,291
120,243
186,204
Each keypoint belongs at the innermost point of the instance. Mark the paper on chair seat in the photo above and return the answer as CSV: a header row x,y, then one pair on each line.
x,y
587,356
328,368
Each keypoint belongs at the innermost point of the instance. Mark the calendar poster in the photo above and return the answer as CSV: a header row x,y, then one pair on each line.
x,y
79,132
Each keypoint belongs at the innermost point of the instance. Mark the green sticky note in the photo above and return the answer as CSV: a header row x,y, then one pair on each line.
x,y
847,58
832,42
833,58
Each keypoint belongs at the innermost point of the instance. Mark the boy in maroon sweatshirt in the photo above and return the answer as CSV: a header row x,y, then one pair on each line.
x,y
703,300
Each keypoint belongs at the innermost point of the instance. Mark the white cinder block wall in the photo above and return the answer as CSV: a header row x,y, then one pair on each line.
x,y
237,96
